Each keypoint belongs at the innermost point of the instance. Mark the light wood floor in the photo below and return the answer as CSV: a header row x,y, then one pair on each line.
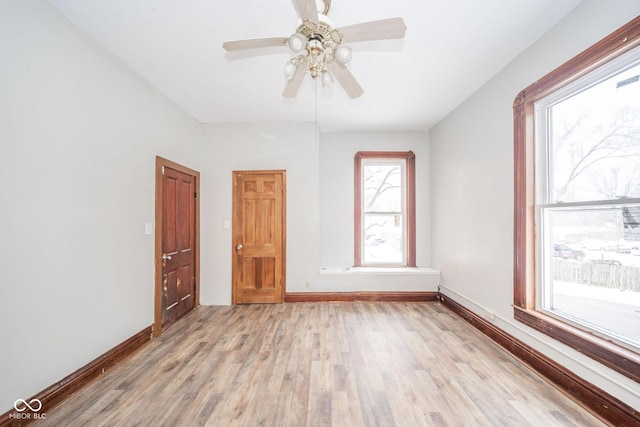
x,y
315,364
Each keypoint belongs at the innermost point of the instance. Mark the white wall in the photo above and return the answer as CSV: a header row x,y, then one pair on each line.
x,y
336,190
78,138
337,151
319,203
472,187
230,147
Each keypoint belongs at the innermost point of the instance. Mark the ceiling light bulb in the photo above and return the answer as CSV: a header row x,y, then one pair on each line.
x,y
343,54
289,69
326,78
296,42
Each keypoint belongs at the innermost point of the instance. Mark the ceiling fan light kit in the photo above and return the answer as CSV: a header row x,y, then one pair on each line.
x,y
296,42
319,43
320,47
326,78
343,54
289,69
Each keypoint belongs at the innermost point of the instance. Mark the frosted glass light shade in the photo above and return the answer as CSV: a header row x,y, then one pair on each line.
x,y
326,78
343,54
289,69
296,42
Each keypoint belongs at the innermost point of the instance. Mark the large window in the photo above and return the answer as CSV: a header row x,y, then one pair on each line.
x,y
577,194
384,209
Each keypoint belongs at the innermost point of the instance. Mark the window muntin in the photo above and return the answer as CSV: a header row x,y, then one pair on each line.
x,y
588,162
384,210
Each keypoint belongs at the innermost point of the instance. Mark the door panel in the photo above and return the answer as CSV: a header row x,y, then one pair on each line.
x,y
259,273
178,244
259,237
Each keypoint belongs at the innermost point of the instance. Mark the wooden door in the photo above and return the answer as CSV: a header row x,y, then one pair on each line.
x,y
177,251
258,272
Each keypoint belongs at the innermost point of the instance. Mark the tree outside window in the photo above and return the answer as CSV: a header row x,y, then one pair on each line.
x,y
384,209
577,202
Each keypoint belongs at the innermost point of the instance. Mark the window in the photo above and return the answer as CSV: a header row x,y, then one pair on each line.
x,y
577,202
384,208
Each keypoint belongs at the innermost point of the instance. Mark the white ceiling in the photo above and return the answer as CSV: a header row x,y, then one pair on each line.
x,y
451,48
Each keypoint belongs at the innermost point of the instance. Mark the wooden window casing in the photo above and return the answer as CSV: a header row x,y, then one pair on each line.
x,y
410,194
616,357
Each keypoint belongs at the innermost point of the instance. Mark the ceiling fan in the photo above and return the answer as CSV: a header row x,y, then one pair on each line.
x,y
320,48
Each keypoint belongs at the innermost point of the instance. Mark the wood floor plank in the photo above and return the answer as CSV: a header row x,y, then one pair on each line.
x,y
335,364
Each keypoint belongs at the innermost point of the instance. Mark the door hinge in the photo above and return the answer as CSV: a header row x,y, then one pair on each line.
x,y
195,195
163,170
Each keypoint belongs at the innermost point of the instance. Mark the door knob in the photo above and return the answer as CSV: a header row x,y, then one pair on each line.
x,y
239,247
165,257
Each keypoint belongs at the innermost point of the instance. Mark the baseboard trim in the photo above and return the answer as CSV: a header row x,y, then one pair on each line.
x,y
63,389
588,395
361,296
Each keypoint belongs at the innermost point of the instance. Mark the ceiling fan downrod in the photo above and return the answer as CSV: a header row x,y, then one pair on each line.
x,y
327,5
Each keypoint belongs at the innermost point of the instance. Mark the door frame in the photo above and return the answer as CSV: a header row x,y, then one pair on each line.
x,y
235,206
160,164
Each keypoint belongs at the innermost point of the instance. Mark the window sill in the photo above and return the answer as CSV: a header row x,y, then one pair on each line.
x,y
612,355
391,271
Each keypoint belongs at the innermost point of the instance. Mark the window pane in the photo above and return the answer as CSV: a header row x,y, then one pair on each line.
x,y
592,268
595,141
383,239
382,187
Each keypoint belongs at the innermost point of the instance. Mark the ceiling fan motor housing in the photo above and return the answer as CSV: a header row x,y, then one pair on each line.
x,y
321,43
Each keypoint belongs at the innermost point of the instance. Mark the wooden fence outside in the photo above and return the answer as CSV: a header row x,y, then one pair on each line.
x,y
621,277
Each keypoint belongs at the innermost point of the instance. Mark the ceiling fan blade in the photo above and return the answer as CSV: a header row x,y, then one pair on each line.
x,y
292,86
346,79
307,9
254,43
392,28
